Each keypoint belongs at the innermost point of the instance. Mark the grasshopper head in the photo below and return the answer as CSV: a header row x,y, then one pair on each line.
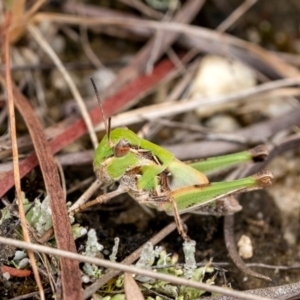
x,y
113,156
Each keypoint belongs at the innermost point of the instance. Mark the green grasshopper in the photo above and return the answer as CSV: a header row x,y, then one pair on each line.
x,y
153,176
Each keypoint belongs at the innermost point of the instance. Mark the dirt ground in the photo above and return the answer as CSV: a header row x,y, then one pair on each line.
x,y
270,217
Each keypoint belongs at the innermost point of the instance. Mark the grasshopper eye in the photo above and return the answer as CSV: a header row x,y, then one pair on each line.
x,y
122,148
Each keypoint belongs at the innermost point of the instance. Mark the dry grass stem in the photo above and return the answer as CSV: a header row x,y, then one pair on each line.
x,y
46,47
235,15
34,8
144,9
17,180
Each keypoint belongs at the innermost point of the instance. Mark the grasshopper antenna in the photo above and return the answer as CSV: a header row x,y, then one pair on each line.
x,y
107,123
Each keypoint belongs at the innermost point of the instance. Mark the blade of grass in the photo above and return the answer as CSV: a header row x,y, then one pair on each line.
x,y
47,48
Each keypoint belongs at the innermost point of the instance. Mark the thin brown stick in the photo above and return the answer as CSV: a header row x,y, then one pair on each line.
x,y
165,109
81,184
150,128
235,15
254,134
287,291
12,123
87,48
158,37
285,145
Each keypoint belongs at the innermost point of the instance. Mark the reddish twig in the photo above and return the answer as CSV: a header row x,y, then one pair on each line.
x,y
13,272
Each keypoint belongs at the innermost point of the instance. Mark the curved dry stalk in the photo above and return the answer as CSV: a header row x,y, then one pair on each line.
x,y
287,144
47,48
130,269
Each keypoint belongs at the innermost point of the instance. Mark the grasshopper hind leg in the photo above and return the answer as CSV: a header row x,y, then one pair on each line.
x,y
178,221
155,202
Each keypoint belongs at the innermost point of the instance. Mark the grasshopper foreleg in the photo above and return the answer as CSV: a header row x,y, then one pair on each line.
x,y
102,199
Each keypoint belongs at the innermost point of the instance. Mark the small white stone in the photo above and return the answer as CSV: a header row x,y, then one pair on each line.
x,y
245,247
217,75
222,122
6,275
103,79
220,76
85,279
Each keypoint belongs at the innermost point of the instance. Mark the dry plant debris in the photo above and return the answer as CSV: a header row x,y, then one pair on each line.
x,y
161,76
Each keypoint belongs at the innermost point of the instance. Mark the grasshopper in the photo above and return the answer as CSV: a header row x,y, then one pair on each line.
x,y
154,177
